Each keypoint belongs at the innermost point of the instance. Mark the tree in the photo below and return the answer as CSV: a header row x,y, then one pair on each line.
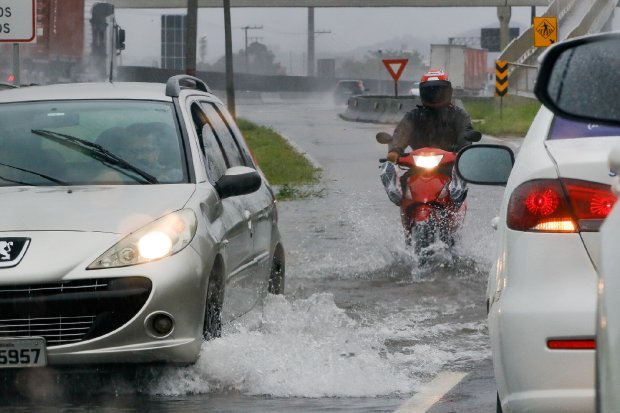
x,y
260,61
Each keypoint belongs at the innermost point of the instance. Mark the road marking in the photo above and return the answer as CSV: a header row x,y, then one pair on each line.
x,y
431,392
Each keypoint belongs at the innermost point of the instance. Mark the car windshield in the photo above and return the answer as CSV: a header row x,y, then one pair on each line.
x,y
89,143
568,129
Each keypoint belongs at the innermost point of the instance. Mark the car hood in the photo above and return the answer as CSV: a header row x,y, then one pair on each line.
x,y
112,209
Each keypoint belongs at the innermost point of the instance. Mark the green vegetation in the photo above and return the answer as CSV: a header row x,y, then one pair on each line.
x,y
515,120
292,175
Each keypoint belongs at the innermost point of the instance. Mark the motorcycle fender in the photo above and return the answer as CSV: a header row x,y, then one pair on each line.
x,y
425,188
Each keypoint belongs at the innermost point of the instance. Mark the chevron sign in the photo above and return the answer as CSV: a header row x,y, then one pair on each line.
x,y
501,78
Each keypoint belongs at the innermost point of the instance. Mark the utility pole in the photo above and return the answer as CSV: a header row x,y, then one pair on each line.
x,y
311,40
230,85
247,61
191,32
310,61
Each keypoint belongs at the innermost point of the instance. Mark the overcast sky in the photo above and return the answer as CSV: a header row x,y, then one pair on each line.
x,y
284,30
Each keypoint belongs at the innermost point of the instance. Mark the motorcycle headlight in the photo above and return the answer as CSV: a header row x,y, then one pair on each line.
x,y
161,238
427,161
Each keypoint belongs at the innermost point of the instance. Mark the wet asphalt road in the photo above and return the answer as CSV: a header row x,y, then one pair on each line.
x,y
361,328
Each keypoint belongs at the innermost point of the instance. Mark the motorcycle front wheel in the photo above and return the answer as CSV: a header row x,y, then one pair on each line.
x,y
422,237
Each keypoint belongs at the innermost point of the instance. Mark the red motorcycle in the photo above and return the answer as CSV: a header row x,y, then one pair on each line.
x,y
429,212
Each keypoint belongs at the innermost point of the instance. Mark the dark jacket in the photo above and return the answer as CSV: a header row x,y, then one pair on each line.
x,y
422,127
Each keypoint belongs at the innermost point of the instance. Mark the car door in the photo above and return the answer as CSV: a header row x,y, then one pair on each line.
x,y
257,206
263,205
236,233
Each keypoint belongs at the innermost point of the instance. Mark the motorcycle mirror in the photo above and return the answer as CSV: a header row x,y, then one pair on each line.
x,y
384,138
473,136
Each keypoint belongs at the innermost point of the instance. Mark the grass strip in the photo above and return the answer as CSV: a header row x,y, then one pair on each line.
x,y
514,121
288,170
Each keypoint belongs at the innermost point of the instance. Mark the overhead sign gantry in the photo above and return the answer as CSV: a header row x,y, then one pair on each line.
x,y
167,4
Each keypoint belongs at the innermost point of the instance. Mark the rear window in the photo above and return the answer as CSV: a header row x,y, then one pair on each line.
x,y
569,129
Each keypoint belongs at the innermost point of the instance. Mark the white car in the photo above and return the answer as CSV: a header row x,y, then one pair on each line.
x,y
541,293
578,84
134,222
608,319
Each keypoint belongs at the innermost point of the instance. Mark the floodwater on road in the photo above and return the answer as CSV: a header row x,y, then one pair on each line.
x,y
361,326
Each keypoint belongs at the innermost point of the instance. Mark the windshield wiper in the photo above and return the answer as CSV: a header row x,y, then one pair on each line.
x,y
49,178
95,151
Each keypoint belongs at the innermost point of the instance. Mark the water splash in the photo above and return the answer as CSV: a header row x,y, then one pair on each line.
x,y
299,348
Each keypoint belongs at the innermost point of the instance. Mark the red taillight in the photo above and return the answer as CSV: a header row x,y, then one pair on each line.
x,y
589,200
566,205
572,344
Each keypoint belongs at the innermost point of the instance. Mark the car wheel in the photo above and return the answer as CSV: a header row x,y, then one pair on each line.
x,y
277,273
498,406
213,309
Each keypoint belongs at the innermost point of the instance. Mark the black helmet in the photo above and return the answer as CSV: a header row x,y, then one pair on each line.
x,y
435,89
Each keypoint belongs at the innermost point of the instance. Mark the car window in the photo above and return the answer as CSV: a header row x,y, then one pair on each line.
x,y
90,142
229,144
232,125
568,129
211,146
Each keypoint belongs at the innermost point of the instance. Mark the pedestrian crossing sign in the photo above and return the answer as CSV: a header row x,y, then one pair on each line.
x,y
545,31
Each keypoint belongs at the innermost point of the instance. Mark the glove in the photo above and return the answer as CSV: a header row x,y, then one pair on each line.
x,y
393,157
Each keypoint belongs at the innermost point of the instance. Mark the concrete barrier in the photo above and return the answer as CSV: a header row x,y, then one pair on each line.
x,y
384,109
379,109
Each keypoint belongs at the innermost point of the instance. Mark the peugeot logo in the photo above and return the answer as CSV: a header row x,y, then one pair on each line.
x,y
12,251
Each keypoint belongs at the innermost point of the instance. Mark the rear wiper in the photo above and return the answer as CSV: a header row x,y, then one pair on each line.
x,y
95,151
49,178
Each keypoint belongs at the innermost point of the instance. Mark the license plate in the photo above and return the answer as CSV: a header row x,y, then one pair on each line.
x,y
22,352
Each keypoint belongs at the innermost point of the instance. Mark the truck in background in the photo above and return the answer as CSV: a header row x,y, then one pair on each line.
x,y
75,41
466,67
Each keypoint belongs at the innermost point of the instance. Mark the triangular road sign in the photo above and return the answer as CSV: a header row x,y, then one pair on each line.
x,y
396,67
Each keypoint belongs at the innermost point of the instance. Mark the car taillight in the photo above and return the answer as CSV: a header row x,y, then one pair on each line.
x,y
571,344
565,205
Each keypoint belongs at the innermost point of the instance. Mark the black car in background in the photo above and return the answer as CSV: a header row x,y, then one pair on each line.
x,y
347,88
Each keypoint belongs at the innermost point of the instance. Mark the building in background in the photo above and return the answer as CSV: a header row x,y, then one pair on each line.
x,y
173,41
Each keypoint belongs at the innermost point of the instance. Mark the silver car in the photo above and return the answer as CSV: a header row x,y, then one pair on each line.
x,y
134,222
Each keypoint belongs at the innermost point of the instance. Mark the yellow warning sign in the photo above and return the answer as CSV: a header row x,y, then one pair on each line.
x,y
545,31
501,78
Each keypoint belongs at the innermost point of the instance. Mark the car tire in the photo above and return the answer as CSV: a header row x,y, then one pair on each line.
x,y
213,308
277,273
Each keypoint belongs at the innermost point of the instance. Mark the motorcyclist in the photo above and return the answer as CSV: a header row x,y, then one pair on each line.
x,y
437,123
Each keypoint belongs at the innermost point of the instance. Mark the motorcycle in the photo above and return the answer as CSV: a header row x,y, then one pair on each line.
x,y
429,212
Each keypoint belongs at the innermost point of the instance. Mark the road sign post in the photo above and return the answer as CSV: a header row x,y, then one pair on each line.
x,y
501,83
395,67
17,25
545,31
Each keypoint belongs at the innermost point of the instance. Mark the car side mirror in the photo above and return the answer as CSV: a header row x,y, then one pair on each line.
x,y
485,164
578,79
238,180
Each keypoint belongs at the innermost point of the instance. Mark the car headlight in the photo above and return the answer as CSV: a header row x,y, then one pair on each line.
x,y
161,238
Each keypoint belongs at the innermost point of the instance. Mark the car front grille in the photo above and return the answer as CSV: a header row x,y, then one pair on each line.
x,y
55,330
72,311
